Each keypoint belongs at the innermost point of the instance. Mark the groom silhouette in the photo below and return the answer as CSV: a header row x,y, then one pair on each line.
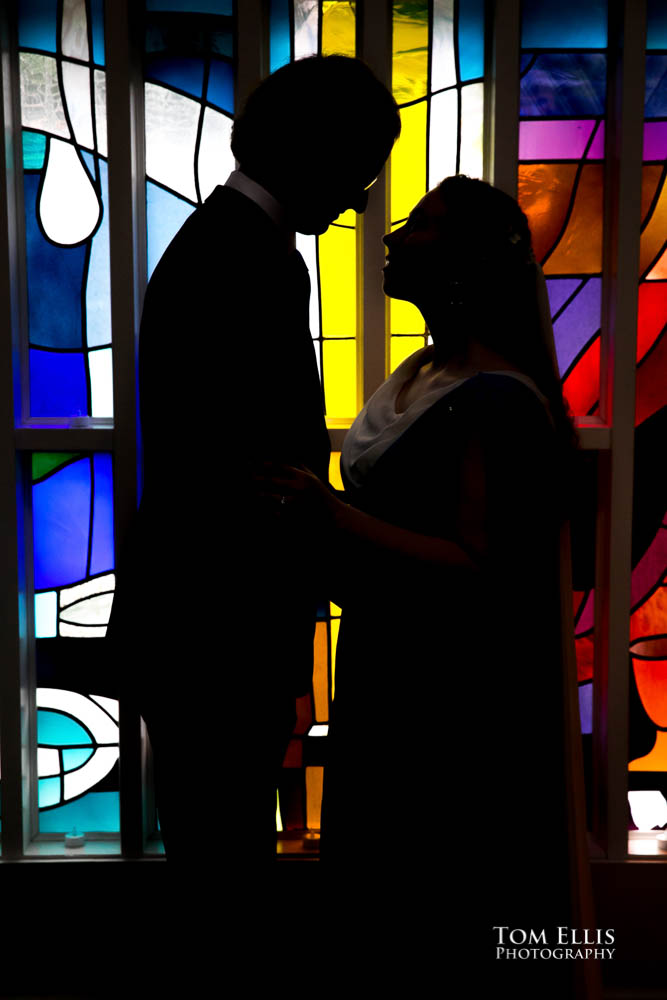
x,y
214,613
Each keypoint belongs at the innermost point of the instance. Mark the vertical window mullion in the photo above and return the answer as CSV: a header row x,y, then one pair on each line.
x,y
624,142
127,247
501,95
17,620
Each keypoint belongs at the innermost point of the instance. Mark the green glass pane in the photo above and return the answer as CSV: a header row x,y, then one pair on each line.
x,y
44,462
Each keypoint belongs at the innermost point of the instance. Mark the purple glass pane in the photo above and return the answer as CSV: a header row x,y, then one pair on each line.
x,y
650,568
655,141
559,290
585,623
565,83
57,384
101,557
61,516
586,707
596,152
578,323
549,140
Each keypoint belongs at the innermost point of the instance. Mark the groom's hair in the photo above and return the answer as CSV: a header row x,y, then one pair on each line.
x,y
308,106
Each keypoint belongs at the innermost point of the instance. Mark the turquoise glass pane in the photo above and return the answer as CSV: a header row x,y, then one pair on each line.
x,y
37,25
75,758
656,27
471,39
96,811
97,19
34,148
194,7
57,729
564,24
281,42
221,85
49,792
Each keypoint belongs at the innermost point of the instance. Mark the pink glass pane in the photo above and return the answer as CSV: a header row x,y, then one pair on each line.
x,y
553,140
596,152
655,141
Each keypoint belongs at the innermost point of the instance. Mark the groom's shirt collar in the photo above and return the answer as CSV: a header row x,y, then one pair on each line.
x,y
261,197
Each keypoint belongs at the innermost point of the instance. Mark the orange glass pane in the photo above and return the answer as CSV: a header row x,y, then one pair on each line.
x,y
656,760
335,626
651,678
304,714
659,271
294,754
585,651
339,359
544,195
653,237
579,250
314,787
650,179
321,673
410,50
652,315
651,617
338,29
582,386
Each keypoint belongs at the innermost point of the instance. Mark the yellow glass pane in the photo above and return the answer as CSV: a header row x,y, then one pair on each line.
x,y
404,317
402,347
408,162
653,236
335,626
314,787
338,29
334,471
321,673
334,611
340,377
410,50
338,282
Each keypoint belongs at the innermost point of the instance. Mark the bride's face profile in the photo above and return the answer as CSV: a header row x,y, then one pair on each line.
x,y
417,251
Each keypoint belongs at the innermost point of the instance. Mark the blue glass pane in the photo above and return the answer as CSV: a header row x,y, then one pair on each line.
x,y
49,792
184,74
98,283
37,25
471,38
559,290
96,811
34,148
656,86
192,6
564,24
97,18
221,85
102,556
55,275
75,758
61,514
656,28
281,47
586,707
578,323
57,385
165,214
565,84
56,729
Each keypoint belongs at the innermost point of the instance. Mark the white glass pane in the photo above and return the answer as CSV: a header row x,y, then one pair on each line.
x,y
99,765
41,103
82,631
216,160
48,762
76,83
648,808
101,382
74,32
442,138
171,133
98,282
305,28
103,729
110,704
318,731
307,247
68,595
472,130
443,66
91,611
46,615
69,208
101,110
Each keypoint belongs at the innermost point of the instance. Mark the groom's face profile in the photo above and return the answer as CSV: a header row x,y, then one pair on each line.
x,y
322,195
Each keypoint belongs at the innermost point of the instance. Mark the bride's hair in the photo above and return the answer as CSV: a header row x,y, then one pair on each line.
x,y
493,274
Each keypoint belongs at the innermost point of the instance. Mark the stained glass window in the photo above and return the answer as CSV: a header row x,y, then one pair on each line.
x,y
648,622
77,733
438,83
189,104
560,188
63,111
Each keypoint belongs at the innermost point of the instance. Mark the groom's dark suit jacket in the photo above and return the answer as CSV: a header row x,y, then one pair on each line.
x,y
213,589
